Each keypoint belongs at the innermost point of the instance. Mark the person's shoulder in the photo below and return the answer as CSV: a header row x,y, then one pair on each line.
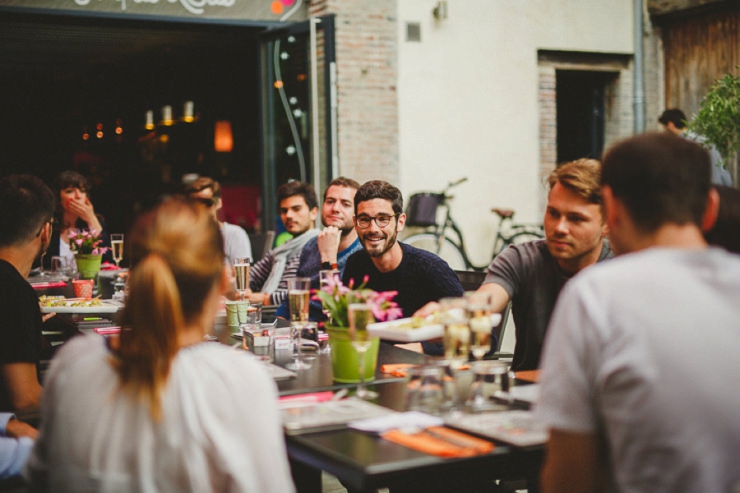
x,y
234,229
532,252
415,254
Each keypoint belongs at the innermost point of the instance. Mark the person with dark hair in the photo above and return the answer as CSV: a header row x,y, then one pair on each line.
x,y
269,277
333,245
531,275
162,409
207,191
674,121
726,230
389,265
74,211
26,213
622,401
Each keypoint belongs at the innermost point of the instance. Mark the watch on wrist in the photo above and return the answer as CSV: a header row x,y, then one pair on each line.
x,y
328,265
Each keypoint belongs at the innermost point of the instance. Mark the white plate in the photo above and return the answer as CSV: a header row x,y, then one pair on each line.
x,y
107,306
397,330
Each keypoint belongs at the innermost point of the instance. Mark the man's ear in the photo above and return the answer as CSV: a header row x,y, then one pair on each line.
x,y
710,211
610,212
313,213
401,222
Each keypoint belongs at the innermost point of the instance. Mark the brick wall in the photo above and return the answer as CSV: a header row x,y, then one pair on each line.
x,y
367,71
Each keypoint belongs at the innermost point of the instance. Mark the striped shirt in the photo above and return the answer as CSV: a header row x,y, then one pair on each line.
x,y
261,271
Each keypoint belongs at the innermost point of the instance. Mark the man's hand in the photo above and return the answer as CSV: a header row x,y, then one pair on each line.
x,y
17,429
328,243
263,298
429,309
47,316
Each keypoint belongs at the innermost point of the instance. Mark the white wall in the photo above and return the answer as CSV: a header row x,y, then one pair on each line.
x,y
467,98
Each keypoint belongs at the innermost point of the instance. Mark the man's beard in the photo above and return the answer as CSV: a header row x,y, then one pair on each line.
x,y
390,240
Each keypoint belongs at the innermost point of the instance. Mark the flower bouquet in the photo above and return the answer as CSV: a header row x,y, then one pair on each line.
x,y
86,242
336,298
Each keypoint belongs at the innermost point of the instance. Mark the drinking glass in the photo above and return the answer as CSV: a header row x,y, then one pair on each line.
x,y
241,273
59,265
325,276
360,315
299,295
479,309
456,331
116,243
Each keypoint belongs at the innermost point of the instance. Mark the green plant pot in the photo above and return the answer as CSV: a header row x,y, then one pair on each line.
x,y
345,362
88,265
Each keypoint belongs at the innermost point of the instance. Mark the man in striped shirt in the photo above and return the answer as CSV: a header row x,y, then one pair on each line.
x,y
298,210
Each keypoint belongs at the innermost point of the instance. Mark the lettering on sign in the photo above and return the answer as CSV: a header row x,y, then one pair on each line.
x,y
196,7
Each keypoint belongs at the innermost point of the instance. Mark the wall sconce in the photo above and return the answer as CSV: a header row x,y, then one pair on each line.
x,y
188,115
440,10
223,140
149,125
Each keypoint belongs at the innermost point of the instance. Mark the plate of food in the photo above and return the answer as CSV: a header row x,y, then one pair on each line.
x,y
413,329
60,304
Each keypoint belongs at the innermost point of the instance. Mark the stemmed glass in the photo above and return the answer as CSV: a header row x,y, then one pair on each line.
x,y
116,243
360,315
456,339
299,295
241,273
479,310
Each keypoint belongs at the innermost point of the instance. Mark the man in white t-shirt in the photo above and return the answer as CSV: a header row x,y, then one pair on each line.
x,y
640,365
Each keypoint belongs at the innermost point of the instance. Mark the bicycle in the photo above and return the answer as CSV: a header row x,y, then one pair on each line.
x,y
422,211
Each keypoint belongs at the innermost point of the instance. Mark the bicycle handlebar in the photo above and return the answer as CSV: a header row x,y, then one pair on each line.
x,y
456,183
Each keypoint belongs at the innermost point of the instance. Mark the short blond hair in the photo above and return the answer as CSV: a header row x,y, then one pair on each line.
x,y
581,177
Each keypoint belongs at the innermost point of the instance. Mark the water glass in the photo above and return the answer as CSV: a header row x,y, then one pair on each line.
x,y
456,331
491,377
59,265
480,307
424,389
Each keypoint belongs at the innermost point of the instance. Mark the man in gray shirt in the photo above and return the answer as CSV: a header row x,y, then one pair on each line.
x,y
532,274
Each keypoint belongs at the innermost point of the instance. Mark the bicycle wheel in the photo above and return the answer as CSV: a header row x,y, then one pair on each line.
x,y
449,252
519,238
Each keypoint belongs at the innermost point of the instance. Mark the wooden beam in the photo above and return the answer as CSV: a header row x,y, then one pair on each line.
x,y
664,7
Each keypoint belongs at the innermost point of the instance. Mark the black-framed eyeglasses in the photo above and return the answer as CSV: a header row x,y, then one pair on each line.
x,y
203,200
382,220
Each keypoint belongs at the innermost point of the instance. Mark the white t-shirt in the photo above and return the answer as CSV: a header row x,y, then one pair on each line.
x,y
236,242
645,350
219,431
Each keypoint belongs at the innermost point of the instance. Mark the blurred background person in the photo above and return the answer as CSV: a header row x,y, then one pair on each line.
x,y
160,409
726,229
74,211
208,192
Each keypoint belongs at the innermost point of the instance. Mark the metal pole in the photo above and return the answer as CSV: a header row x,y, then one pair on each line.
x,y
639,77
315,108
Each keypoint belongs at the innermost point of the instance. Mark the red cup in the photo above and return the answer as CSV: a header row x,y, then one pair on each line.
x,y
83,288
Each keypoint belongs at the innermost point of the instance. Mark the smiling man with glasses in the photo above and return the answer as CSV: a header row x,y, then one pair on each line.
x,y
418,276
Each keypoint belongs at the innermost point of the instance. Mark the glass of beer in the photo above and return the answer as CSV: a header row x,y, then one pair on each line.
x,y
299,297
241,275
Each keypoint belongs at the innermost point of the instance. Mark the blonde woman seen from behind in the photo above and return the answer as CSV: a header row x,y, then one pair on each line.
x,y
162,410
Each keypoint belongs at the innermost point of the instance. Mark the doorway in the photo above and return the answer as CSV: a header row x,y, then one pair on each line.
x,y
580,114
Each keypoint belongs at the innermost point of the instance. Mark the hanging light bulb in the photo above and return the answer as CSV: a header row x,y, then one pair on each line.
x,y
149,125
167,116
188,114
223,139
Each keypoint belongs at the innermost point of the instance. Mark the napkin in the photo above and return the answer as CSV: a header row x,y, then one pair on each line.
x,y
440,441
396,369
528,376
408,420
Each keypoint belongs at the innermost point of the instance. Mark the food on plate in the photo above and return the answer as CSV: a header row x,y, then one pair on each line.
x,y
60,301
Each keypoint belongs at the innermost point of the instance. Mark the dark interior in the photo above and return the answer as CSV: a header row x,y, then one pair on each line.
x,y
62,76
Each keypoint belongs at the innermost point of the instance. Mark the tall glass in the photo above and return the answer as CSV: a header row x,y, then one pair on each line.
x,y
456,343
116,243
299,297
241,274
360,315
480,309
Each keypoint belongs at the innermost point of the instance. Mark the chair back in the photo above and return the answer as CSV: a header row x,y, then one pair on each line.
x,y
470,279
261,244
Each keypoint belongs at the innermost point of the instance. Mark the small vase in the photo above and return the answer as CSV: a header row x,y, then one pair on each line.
x,y
345,362
88,265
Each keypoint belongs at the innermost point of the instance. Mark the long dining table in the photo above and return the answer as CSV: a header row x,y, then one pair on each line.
x,y
365,463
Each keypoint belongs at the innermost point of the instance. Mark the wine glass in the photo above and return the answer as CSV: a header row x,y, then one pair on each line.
x,y
116,243
299,295
241,273
360,315
456,342
479,310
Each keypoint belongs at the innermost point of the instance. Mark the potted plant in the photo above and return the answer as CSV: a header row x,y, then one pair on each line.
x,y
88,249
336,299
718,119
